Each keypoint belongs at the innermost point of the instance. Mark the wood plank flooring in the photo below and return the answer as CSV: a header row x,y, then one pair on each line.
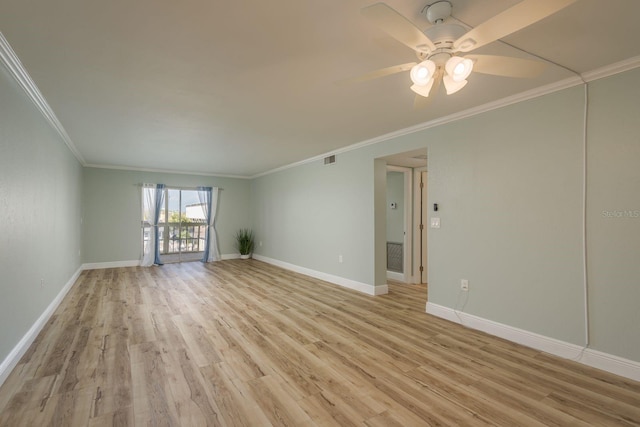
x,y
243,343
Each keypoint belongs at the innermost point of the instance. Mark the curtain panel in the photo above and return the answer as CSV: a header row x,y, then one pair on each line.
x,y
209,199
152,202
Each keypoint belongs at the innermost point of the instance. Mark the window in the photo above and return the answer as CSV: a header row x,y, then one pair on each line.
x,y
182,226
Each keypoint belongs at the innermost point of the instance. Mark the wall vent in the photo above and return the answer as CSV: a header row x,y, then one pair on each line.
x,y
395,257
330,160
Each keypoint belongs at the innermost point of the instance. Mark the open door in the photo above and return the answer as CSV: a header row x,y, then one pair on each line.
x,y
399,219
420,226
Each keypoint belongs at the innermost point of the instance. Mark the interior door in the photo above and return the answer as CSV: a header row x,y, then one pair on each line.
x,y
424,228
420,226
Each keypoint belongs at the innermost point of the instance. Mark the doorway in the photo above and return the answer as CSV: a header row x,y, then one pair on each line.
x,y
182,226
406,198
399,220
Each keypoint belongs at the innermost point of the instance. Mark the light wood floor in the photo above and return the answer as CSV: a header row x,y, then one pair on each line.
x,y
242,343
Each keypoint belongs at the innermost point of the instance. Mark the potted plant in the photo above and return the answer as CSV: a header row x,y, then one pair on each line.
x,y
244,242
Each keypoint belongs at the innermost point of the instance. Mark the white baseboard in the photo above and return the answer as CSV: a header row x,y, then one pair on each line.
x,y
392,275
611,363
23,345
596,359
113,264
341,281
135,263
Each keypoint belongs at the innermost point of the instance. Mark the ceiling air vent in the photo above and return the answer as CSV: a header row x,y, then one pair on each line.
x,y
330,160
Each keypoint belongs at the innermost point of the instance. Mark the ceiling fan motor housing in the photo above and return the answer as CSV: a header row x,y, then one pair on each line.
x,y
443,36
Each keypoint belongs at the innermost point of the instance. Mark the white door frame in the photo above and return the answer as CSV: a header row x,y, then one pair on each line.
x,y
407,251
416,276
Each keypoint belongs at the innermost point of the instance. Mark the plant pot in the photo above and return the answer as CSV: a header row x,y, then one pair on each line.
x,y
246,256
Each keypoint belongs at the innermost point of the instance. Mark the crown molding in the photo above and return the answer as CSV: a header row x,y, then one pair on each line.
x,y
578,79
612,69
155,170
533,93
12,63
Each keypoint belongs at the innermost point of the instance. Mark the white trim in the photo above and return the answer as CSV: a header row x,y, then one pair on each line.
x,y
524,96
393,275
609,70
135,263
606,71
612,69
113,264
155,170
596,359
341,281
12,359
407,221
611,363
11,61
417,220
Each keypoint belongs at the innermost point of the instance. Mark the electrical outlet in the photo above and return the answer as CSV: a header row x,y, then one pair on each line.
x,y
260,243
340,259
464,285
41,283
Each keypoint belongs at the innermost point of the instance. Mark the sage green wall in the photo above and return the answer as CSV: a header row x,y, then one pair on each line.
x,y
40,205
614,214
112,210
509,186
310,215
509,189
395,217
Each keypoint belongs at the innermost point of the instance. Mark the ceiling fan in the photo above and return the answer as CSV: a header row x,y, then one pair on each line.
x,y
442,48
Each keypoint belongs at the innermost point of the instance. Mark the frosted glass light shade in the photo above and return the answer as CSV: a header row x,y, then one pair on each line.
x,y
422,73
423,90
451,85
459,68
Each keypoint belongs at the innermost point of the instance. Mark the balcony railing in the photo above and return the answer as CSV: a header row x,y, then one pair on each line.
x,y
176,238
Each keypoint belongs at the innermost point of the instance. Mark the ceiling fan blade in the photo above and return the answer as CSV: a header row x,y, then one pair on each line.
x,y
506,66
378,73
398,27
511,20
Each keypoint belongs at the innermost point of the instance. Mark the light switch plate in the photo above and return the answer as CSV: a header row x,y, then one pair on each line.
x,y
435,222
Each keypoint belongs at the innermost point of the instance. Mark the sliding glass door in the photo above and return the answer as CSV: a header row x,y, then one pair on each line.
x,y
182,226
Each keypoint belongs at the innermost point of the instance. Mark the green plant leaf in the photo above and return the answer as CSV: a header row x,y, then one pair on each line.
x,y
244,241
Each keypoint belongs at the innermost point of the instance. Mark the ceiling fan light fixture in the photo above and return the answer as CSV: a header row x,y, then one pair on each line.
x,y
451,85
459,68
423,90
422,73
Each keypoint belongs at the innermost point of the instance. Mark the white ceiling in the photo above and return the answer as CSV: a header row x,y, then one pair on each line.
x,y
245,86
